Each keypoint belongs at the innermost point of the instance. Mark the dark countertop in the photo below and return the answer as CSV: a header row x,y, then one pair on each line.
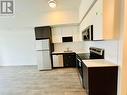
x,y
61,53
84,56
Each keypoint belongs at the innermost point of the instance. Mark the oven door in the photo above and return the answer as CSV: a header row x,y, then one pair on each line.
x,y
79,66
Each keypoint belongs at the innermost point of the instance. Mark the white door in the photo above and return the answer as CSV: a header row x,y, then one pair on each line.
x,y
42,44
43,60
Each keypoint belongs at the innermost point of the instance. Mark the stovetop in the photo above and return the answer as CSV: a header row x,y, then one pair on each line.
x,y
87,56
84,56
95,53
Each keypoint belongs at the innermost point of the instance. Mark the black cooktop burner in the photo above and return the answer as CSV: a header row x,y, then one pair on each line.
x,y
84,56
95,53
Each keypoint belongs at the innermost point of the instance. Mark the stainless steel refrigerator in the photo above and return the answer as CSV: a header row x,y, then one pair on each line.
x,y
43,54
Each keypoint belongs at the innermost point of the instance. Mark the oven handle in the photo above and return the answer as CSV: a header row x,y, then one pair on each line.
x,y
78,58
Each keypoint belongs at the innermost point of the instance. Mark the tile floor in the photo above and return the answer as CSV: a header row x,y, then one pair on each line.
x,y
27,80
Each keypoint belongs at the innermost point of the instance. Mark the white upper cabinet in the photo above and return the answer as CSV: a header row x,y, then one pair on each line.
x,y
97,20
64,31
76,33
104,16
56,35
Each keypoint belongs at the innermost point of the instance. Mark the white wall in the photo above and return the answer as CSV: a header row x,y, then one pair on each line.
x,y
111,49
123,51
17,31
17,47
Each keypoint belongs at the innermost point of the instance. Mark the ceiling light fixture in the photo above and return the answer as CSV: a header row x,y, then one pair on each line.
x,y
52,3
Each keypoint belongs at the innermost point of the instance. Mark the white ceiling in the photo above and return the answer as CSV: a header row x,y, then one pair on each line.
x,y
61,5
42,5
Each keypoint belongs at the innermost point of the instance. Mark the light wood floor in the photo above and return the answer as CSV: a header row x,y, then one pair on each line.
x,y
27,80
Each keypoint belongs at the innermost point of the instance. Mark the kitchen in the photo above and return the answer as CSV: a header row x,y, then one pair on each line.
x,y
21,35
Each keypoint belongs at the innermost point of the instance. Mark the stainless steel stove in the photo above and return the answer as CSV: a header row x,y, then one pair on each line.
x,y
95,53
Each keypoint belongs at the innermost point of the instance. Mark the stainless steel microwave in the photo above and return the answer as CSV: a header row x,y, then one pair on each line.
x,y
87,34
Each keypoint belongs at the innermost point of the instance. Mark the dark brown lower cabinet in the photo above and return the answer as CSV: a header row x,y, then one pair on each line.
x,y
100,80
69,59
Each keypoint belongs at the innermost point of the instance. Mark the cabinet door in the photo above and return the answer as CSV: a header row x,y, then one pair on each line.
x,y
57,60
103,80
73,60
57,39
66,60
56,35
97,20
85,77
76,34
71,30
69,60
66,31
43,32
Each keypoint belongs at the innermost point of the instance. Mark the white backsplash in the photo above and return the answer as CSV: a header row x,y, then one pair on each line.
x,y
75,46
110,47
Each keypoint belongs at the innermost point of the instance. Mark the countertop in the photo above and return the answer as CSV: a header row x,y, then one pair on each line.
x,y
61,52
90,62
56,53
98,63
84,56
